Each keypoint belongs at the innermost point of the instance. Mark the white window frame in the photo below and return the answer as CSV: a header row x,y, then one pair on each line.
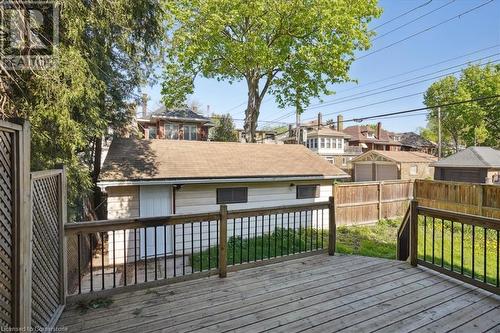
x,y
316,143
328,143
413,170
341,144
171,131
344,161
322,142
190,132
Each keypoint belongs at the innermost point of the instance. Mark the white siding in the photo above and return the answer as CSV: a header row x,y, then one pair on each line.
x,y
192,199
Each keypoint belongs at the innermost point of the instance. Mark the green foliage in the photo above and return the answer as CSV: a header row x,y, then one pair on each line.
x,y
476,123
292,49
106,51
224,130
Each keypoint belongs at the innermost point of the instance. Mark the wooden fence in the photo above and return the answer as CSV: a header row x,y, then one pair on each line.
x,y
474,199
369,202
48,296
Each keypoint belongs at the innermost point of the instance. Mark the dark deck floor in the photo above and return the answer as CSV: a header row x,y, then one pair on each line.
x,y
313,294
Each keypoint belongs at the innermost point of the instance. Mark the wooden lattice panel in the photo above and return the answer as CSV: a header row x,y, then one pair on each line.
x,y
6,226
46,261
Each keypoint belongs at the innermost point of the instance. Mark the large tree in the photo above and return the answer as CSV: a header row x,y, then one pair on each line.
x,y
292,49
105,53
224,130
475,123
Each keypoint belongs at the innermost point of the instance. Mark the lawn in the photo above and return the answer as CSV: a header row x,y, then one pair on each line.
x,y
377,240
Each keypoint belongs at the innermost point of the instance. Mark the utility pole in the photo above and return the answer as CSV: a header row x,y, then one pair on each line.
x,y
439,132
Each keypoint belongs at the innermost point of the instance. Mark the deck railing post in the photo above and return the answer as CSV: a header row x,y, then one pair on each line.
x,y
332,226
413,232
223,242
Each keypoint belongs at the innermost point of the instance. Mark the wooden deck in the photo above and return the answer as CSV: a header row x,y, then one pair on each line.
x,y
314,294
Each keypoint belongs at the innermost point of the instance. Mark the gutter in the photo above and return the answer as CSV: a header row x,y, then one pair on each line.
x,y
104,184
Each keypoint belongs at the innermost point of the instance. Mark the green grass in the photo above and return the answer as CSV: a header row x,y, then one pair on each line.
x,y
378,240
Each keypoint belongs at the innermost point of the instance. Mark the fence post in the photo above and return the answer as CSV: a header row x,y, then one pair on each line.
x,y
413,232
63,218
332,227
480,195
223,242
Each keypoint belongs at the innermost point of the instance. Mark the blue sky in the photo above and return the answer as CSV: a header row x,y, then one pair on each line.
x,y
474,31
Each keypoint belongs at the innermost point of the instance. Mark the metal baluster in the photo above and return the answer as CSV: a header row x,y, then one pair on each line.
x,y
473,243
114,260
175,250
262,237
322,227
317,228
124,260
274,233
462,251
255,238
442,243
305,234
209,250
293,238
183,251
433,238
234,240
281,233
156,253
217,242
201,246
300,232
248,239
102,258
484,251
192,247
135,254
78,240
425,238
312,231
91,264
165,249
452,247
269,238
241,240
145,255
288,235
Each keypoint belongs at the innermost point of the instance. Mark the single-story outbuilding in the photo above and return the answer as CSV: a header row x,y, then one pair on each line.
x,y
473,165
146,178
390,165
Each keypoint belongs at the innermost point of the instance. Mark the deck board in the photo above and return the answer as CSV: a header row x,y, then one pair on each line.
x,y
313,294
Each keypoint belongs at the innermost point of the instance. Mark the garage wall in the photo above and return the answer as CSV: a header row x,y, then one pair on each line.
x,y
469,175
424,171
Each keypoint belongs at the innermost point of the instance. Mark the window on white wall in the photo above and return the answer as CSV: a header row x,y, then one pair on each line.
x,y
413,170
344,161
341,143
232,195
328,140
316,143
334,144
307,191
322,143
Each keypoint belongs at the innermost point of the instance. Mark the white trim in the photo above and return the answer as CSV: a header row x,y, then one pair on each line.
x,y
104,184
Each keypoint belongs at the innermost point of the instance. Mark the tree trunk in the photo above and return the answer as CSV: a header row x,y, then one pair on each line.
x,y
252,111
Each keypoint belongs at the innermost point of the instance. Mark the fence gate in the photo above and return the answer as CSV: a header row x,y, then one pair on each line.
x,y
14,225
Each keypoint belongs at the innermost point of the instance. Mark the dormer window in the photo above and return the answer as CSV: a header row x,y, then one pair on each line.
x,y
370,135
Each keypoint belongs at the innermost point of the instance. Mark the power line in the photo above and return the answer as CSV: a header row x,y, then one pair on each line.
x,y
353,96
414,20
425,30
403,14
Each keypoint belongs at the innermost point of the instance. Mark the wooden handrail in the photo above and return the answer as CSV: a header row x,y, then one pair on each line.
x,y
480,221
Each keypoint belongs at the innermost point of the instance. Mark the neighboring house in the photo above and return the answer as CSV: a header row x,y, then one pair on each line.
x,y
390,165
261,136
144,178
176,124
411,141
332,145
369,138
474,165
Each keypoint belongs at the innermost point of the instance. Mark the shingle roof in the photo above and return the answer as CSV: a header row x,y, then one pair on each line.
x,y
401,156
357,134
411,139
472,157
181,113
133,159
327,131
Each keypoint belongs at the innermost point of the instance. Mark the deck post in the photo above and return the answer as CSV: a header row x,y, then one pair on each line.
x,y
413,232
332,227
63,218
223,242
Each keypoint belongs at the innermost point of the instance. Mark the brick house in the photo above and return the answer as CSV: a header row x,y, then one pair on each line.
x,y
369,138
175,124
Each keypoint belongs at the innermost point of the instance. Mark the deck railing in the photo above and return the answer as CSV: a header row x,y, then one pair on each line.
x,y
463,246
141,252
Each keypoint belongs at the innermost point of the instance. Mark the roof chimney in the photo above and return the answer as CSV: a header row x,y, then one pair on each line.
x,y
379,130
144,105
340,123
320,120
